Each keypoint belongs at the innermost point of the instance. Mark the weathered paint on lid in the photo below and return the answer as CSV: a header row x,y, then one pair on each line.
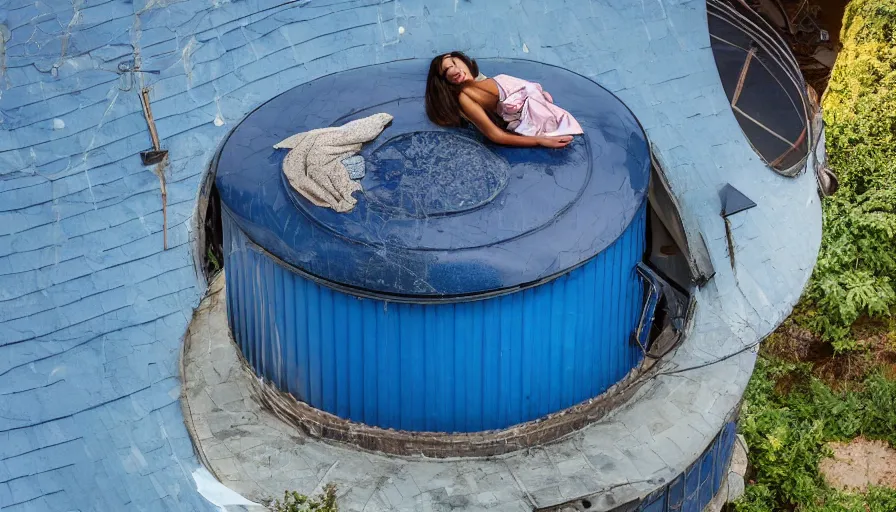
x,y
444,212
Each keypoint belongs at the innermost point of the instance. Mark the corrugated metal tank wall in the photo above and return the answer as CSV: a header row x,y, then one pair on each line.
x,y
451,367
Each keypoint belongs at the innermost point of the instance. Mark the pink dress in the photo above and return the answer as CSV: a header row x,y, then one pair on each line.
x,y
528,112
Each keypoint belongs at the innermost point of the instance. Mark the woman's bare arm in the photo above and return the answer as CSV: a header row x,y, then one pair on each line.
x,y
477,115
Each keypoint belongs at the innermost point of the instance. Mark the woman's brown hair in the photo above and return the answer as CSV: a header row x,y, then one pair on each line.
x,y
442,97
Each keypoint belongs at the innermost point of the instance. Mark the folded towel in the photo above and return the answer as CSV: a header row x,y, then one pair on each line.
x,y
314,165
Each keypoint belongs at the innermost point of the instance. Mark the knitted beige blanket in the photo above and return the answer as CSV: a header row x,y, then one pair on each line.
x,y
314,166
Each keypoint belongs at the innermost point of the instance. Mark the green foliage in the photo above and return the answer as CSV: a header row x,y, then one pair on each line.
x,y
877,499
756,498
788,417
295,502
857,264
785,443
879,418
214,264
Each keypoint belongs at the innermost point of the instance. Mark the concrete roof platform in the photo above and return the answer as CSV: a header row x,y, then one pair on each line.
x,y
622,458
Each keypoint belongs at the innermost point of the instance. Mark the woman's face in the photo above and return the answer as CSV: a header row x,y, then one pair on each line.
x,y
454,70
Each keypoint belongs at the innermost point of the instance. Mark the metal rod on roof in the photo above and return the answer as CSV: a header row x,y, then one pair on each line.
x,y
743,76
159,169
147,113
730,239
793,147
766,128
160,172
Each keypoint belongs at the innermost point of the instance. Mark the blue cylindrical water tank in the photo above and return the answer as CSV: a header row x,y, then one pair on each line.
x,y
473,287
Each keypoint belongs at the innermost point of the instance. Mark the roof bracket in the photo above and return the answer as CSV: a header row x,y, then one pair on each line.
x,y
734,201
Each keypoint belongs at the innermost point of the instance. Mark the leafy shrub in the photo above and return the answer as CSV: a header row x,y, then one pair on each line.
x,y
879,418
857,263
788,418
295,502
785,443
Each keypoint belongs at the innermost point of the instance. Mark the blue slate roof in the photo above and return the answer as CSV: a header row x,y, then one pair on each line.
x,y
92,310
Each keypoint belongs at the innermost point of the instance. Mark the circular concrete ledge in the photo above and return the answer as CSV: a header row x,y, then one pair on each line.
x,y
607,464
322,425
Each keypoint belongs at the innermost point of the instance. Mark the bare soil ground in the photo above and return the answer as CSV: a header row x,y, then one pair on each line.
x,y
877,349
860,463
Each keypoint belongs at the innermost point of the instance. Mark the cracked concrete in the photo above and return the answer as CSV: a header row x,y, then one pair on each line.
x,y
255,453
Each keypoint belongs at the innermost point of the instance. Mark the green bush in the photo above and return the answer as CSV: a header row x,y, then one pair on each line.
x,y
788,418
295,502
857,263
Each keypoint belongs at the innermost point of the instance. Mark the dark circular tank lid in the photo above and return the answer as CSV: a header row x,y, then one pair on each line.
x,y
444,212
